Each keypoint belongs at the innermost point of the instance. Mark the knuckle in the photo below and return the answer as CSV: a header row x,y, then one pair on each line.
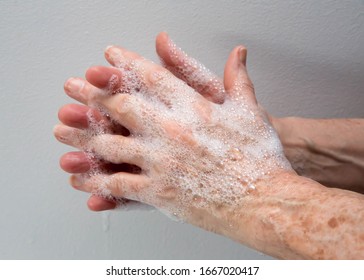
x,y
156,75
124,104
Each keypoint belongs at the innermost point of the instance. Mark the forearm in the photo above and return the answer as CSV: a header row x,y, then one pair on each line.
x,y
301,219
328,151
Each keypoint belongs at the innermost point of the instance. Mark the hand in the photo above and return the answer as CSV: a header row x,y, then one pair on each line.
x,y
196,75
214,161
205,137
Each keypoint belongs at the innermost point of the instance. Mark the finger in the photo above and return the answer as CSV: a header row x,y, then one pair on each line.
x,y
119,57
189,69
116,149
142,76
75,162
101,81
110,81
236,80
107,78
78,116
81,90
118,185
96,203
131,112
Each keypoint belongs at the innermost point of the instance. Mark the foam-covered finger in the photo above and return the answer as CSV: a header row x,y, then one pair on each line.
x,y
127,185
118,56
81,116
131,112
118,149
111,148
96,203
140,76
71,136
81,90
189,69
118,185
74,162
236,80
78,138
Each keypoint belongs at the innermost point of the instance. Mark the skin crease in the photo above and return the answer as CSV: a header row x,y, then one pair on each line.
x,y
329,151
274,217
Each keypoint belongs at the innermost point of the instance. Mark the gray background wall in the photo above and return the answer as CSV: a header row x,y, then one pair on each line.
x,y
306,58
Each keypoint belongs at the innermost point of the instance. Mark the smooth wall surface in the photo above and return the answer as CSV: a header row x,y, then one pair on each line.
x,y
306,58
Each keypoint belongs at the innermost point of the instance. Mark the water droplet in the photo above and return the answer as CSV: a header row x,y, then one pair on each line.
x,y
105,221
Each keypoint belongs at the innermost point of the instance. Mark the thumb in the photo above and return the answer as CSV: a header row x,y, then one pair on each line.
x,y
236,80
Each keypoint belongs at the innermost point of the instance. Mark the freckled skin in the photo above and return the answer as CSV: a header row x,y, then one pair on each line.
x,y
219,166
332,223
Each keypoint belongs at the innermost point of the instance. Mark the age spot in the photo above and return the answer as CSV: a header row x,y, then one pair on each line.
x,y
333,223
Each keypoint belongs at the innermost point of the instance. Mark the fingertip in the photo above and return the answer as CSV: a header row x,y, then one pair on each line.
x,y
61,132
232,68
112,51
116,55
66,85
74,162
76,181
73,84
100,76
74,115
62,161
108,48
235,70
162,36
55,130
97,77
163,48
97,204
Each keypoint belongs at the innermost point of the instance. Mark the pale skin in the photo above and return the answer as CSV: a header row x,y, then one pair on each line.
x,y
329,151
284,215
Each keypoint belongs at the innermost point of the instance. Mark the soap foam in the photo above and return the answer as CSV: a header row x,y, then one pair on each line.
x,y
237,146
197,75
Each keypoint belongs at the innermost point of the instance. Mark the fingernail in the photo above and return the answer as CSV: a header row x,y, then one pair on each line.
x,y
108,47
76,181
114,53
61,132
74,85
242,55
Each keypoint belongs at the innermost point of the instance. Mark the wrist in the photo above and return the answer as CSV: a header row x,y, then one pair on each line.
x,y
295,139
260,221
248,222
298,218
267,221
